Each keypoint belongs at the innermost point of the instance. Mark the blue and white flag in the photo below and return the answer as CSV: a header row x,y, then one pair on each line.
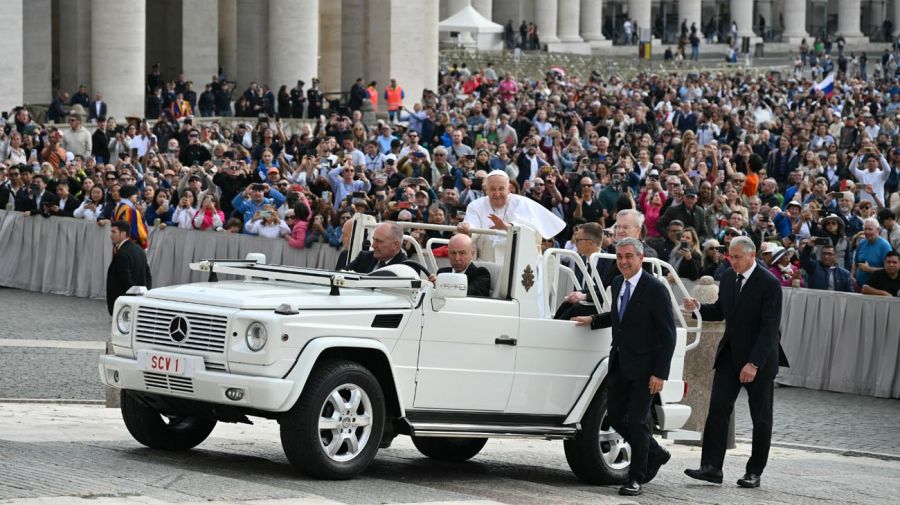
x,y
826,85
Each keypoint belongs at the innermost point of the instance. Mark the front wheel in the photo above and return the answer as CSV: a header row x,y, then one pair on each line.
x,y
455,450
334,430
598,455
158,431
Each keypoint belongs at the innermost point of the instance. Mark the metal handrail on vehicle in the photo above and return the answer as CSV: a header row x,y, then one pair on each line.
x,y
660,268
545,265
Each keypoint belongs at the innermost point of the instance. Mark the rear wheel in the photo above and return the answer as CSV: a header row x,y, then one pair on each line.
x,y
159,431
449,449
334,430
598,455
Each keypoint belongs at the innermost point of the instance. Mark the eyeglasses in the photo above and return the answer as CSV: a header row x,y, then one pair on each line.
x,y
439,154
587,185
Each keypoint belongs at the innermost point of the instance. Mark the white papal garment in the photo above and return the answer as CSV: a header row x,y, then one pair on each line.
x,y
518,210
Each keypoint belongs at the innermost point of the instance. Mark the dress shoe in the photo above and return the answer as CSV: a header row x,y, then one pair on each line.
x,y
654,464
707,473
630,488
749,480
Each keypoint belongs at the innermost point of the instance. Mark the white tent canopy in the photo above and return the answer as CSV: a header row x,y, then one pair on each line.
x,y
469,20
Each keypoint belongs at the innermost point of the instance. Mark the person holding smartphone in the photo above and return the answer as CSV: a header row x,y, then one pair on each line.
x,y
818,259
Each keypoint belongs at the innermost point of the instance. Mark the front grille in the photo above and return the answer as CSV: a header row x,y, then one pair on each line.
x,y
169,383
206,332
214,366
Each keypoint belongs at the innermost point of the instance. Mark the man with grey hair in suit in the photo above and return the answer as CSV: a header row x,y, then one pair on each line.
x,y
748,357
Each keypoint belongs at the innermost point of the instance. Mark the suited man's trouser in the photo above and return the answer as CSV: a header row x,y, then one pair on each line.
x,y
628,407
726,386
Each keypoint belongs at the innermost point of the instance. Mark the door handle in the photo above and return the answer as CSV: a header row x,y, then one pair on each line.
x,y
505,340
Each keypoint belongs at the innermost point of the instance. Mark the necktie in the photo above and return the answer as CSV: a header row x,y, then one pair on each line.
x,y
737,285
626,296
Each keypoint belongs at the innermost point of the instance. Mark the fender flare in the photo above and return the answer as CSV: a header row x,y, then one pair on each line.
x,y
589,392
309,356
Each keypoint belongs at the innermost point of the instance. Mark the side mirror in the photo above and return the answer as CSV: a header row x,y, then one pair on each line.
x,y
450,285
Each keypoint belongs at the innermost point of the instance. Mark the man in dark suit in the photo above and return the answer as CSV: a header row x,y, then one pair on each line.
x,y
128,267
461,250
386,240
643,341
748,356
66,204
97,108
587,237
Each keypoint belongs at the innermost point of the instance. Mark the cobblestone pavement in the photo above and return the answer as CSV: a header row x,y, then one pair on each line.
x,y
26,314
85,453
826,419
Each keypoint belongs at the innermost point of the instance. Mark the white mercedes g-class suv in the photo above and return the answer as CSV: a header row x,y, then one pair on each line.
x,y
345,362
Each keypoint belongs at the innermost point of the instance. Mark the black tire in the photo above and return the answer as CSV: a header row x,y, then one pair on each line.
x,y
151,428
455,450
589,454
306,446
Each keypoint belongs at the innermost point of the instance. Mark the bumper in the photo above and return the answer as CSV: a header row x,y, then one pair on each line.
x,y
672,416
260,393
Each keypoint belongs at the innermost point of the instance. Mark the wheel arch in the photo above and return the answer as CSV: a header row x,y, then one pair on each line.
x,y
593,385
371,353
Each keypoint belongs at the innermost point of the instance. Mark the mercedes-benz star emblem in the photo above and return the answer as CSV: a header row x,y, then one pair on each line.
x,y
178,329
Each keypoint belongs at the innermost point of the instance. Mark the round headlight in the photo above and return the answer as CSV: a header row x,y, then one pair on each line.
x,y
256,336
123,319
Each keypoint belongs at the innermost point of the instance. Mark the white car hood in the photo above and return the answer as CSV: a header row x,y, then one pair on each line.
x,y
250,295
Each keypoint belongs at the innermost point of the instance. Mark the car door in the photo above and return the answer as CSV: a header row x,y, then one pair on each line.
x,y
554,361
467,354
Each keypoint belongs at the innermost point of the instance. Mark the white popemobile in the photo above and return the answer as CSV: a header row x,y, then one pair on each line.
x,y
345,362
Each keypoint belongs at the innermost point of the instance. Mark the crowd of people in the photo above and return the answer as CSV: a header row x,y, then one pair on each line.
x,y
811,176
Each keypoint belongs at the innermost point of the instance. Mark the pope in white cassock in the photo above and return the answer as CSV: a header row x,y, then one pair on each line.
x,y
498,209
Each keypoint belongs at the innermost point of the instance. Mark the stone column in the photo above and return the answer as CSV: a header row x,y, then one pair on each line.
x,y
404,43
545,17
794,22
253,45
849,14
38,51
895,4
569,20
330,40
592,23
74,44
485,8
228,37
354,31
639,12
690,10
568,24
877,13
200,41
293,41
12,63
742,14
118,69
